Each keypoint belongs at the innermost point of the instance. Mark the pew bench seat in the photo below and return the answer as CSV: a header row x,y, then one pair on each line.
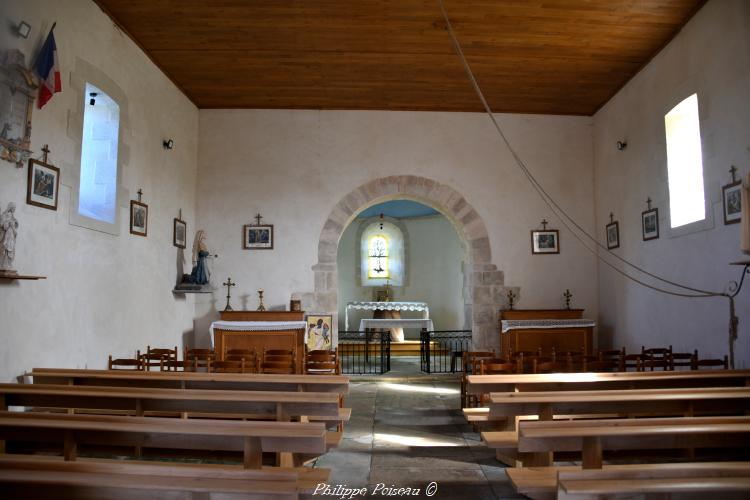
x,y
38,477
541,483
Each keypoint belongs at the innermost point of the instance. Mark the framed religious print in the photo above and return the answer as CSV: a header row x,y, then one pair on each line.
x,y
545,241
613,235
179,234
319,332
138,218
732,196
43,184
650,223
257,237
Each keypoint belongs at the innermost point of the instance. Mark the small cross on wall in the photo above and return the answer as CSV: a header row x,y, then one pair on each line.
x,y
140,194
257,218
45,150
611,217
544,224
733,171
648,202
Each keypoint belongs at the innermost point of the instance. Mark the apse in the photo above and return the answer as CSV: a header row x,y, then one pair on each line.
x,y
401,251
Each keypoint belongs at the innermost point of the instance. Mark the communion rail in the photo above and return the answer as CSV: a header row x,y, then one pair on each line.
x,y
367,352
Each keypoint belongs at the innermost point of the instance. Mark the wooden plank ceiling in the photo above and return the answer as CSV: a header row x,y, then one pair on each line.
x,y
529,56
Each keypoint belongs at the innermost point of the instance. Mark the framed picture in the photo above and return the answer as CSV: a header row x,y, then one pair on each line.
x,y
545,241
43,184
650,223
138,218
179,238
319,331
732,195
613,235
257,237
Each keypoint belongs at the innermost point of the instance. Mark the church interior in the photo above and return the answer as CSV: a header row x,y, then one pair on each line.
x,y
442,248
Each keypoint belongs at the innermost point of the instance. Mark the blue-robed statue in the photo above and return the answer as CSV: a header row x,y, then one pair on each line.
x,y
200,274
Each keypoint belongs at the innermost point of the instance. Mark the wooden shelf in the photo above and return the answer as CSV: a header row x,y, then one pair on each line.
x,y
183,292
22,277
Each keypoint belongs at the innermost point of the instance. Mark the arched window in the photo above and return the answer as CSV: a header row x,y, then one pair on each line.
x,y
382,254
377,258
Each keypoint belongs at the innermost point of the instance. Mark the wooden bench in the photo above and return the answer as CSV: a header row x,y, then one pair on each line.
x,y
541,483
192,380
485,384
44,477
279,405
592,437
69,431
547,406
698,478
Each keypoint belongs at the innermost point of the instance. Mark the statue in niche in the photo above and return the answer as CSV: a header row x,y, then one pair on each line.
x,y
200,275
8,233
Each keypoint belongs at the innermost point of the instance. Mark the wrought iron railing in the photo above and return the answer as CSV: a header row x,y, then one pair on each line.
x,y
442,351
367,352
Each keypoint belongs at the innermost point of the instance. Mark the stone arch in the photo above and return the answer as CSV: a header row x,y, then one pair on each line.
x,y
483,288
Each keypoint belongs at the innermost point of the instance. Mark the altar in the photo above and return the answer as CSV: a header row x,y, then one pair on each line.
x,y
390,312
260,330
565,330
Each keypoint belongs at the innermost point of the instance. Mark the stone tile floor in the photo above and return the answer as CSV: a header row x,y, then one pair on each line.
x,y
408,431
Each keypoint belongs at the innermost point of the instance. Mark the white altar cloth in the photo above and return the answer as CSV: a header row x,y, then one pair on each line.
x,y
515,324
386,306
255,326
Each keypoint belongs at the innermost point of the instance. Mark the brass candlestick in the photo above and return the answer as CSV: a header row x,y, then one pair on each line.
x,y
261,307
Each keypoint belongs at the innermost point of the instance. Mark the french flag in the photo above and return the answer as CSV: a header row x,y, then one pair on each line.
x,y
48,70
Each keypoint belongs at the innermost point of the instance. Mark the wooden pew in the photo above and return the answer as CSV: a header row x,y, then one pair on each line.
x,y
44,477
541,483
484,384
281,405
192,380
730,479
654,402
592,437
251,438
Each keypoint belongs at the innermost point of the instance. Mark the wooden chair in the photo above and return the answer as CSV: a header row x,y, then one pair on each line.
x,y
173,365
681,360
154,356
226,366
525,364
199,357
550,366
468,360
611,354
605,366
126,363
322,362
657,353
278,361
631,362
710,363
654,364
494,367
248,355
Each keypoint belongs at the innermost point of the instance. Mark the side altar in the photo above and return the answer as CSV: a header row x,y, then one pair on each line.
x,y
260,330
530,329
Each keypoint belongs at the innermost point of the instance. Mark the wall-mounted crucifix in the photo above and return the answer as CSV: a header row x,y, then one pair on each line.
x,y
140,194
45,151
257,218
544,224
611,217
648,202
733,171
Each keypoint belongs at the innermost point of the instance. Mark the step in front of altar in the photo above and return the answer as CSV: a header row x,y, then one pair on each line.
x,y
405,348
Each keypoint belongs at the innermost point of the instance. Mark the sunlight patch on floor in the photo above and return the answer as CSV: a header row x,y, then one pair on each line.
x,y
418,388
413,440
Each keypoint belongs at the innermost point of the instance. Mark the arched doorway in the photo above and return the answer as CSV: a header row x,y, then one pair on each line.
x,y
483,284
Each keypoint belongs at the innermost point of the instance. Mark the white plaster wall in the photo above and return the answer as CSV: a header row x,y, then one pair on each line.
x,y
433,266
710,56
103,294
294,166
